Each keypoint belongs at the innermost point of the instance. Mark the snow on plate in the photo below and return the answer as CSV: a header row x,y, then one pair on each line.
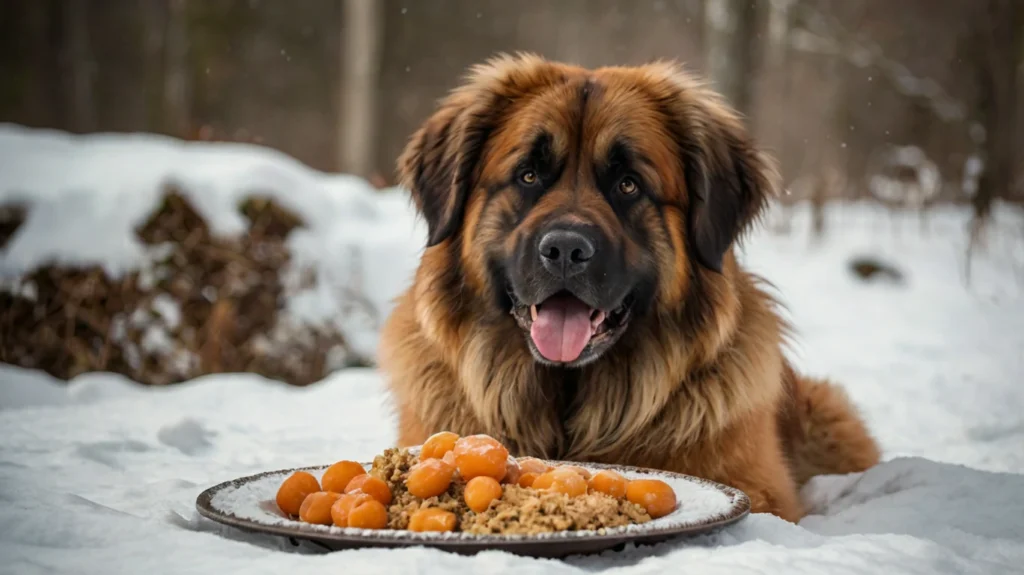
x,y
101,475
699,502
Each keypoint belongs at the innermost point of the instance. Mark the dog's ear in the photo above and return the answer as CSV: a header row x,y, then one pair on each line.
x,y
729,182
438,164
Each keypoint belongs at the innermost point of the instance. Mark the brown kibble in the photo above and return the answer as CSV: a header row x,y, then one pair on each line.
x,y
338,476
432,519
480,492
368,515
610,483
343,506
437,445
293,491
654,495
371,486
477,455
429,478
316,507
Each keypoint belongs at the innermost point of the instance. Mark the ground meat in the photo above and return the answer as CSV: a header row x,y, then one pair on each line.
x,y
527,511
392,467
519,511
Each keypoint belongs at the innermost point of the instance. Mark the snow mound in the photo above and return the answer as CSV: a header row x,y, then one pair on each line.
x,y
130,505
86,195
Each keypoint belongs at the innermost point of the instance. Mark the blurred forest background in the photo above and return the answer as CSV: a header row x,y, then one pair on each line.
x,y
909,101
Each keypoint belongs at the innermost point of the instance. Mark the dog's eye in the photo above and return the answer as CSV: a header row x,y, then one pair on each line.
x,y
628,186
528,177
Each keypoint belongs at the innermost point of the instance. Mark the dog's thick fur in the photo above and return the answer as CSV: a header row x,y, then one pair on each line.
x,y
697,383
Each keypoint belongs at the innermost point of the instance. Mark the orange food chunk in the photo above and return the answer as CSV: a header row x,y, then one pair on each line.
x,y
533,465
371,486
449,458
316,507
293,491
438,444
480,455
543,481
343,506
512,471
432,519
566,481
583,472
527,479
480,492
429,478
368,515
654,495
610,483
337,476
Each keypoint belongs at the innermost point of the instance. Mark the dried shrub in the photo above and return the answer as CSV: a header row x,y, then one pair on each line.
x,y
11,218
203,304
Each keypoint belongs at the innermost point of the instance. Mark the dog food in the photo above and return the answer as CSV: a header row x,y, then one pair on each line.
x,y
471,484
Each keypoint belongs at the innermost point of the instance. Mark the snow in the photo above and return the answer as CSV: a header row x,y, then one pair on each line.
x,y
100,475
118,181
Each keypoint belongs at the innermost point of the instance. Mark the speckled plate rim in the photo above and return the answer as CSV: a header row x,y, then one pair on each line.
x,y
739,508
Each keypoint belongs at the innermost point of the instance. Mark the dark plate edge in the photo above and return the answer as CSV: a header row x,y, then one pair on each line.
x,y
739,510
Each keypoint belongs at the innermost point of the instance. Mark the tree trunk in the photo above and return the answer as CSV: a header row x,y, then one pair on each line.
x,y
997,68
154,25
999,22
362,23
78,67
176,107
730,36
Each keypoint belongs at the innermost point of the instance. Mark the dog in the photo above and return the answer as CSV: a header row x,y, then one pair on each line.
x,y
579,297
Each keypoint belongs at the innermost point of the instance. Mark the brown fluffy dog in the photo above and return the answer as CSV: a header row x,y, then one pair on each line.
x,y
579,297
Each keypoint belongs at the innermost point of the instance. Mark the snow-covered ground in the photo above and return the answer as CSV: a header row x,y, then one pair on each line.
x,y
100,475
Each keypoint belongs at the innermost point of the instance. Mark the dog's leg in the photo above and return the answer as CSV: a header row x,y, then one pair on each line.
x,y
757,464
748,455
411,430
828,435
769,485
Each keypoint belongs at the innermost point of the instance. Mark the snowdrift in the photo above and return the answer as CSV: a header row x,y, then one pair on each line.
x,y
164,260
100,475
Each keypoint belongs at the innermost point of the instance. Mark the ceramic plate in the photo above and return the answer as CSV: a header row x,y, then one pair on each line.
x,y
248,503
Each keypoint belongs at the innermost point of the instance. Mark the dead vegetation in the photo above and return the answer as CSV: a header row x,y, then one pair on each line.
x,y
204,304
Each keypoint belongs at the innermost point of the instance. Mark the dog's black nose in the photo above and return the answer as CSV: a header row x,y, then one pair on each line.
x,y
566,252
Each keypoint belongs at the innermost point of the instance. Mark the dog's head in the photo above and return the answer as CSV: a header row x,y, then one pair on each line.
x,y
581,201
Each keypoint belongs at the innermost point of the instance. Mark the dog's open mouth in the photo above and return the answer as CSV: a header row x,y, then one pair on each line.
x,y
565,330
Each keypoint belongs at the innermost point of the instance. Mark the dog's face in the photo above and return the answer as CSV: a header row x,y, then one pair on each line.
x,y
579,202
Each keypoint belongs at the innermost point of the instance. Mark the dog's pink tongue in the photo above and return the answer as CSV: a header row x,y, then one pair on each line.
x,y
562,328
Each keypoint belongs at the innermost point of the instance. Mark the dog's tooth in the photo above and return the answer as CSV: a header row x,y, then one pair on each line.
x,y
533,313
598,319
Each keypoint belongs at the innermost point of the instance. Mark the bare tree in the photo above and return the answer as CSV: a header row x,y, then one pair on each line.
x,y
362,23
997,70
996,52
79,67
154,16
177,95
731,39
